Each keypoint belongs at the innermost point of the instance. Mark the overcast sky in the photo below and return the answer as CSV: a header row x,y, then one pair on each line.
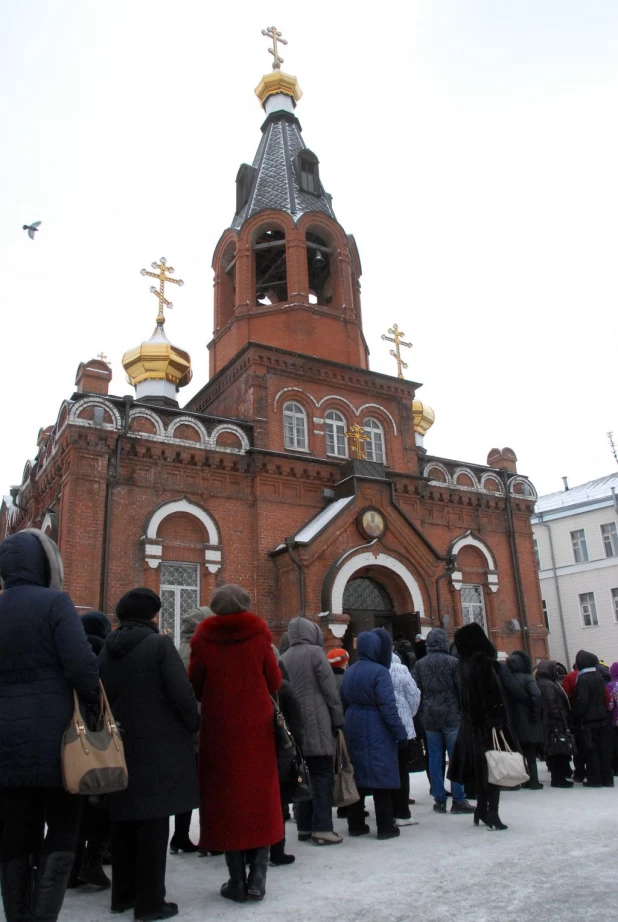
x,y
471,147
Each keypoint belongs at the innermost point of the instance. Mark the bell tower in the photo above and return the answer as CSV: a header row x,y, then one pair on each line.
x,y
286,273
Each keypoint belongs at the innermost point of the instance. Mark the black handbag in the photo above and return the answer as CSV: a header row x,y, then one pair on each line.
x,y
417,757
302,785
561,743
284,742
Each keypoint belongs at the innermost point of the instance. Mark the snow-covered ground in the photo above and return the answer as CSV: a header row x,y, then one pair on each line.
x,y
557,862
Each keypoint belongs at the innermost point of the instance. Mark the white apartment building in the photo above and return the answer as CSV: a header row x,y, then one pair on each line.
x,y
576,541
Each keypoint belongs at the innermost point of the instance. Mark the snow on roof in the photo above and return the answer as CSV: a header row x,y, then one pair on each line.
x,y
321,520
590,492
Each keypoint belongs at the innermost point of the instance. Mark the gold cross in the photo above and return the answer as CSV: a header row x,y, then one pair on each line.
x,y
162,268
397,338
276,36
103,357
357,436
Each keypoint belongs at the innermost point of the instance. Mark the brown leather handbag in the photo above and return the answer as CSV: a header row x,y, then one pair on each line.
x,y
93,761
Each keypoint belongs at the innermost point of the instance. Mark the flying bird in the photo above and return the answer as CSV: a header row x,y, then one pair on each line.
x,y
32,228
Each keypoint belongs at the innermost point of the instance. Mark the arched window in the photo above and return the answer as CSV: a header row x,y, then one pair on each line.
x,y
374,448
295,426
336,442
271,281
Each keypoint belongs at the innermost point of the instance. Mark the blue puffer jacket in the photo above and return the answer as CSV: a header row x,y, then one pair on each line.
x,y
372,723
44,654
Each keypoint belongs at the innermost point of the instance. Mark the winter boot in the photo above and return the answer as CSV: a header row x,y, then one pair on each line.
x,y
236,887
180,840
16,884
389,832
165,912
326,838
278,856
92,869
462,806
80,856
258,868
50,883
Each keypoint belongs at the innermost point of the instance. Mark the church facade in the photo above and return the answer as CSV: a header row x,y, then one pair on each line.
x,y
296,470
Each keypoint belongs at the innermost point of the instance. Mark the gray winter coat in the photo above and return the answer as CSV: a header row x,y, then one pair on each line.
x,y
314,685
437,676
188,624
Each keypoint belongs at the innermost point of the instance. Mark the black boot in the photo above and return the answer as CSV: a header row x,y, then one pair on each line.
x,y
92,869
278,855
180,840
16,883
50,883
80,856
236,887
258,868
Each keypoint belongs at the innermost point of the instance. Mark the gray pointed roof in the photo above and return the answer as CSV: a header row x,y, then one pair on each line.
x,y
275,184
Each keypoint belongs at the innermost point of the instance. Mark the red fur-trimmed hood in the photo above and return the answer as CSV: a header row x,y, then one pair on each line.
x,y
229,629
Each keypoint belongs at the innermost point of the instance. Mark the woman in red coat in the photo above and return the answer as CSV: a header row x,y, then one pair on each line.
x,y
234,671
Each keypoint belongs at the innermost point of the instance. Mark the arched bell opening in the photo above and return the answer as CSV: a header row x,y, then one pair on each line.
x,y
271,279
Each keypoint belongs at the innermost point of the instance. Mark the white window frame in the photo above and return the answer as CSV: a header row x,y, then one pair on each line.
x,y
579,544
335,427
588,608
295,413
610,539
177,590
467,607
375,430
613,594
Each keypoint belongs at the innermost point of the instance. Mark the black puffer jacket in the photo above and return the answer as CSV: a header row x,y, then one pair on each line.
x,y
153,701
525,702
437,676
589,708
556,707
44,655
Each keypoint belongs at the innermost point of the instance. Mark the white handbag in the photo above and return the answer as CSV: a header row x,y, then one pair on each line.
x,y
505,767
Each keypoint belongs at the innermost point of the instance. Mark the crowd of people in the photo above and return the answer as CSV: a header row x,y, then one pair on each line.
x,y
199,731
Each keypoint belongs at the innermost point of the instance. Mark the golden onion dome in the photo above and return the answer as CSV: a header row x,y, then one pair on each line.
x,y
423,417
278,82
157,359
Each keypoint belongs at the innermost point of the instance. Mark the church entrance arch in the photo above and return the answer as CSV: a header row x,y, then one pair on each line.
x,y
375,595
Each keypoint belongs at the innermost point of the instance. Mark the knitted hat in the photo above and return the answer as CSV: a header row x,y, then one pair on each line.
x,y
229,600
138,605
338,656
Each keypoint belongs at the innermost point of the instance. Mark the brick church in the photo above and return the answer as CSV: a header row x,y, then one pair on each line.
x,y
295,470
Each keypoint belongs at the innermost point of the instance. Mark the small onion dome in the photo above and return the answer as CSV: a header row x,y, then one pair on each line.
x,y
423,416
278,82
157,360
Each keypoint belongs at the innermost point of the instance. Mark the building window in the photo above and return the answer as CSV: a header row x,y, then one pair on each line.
x,y
179,595
336,442
295,426
536,554
588,609
580,548
473,605
374,448
610,539
615,603
545,615
308,172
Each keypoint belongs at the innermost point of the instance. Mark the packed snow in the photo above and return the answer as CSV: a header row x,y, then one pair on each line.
x,y
556,862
